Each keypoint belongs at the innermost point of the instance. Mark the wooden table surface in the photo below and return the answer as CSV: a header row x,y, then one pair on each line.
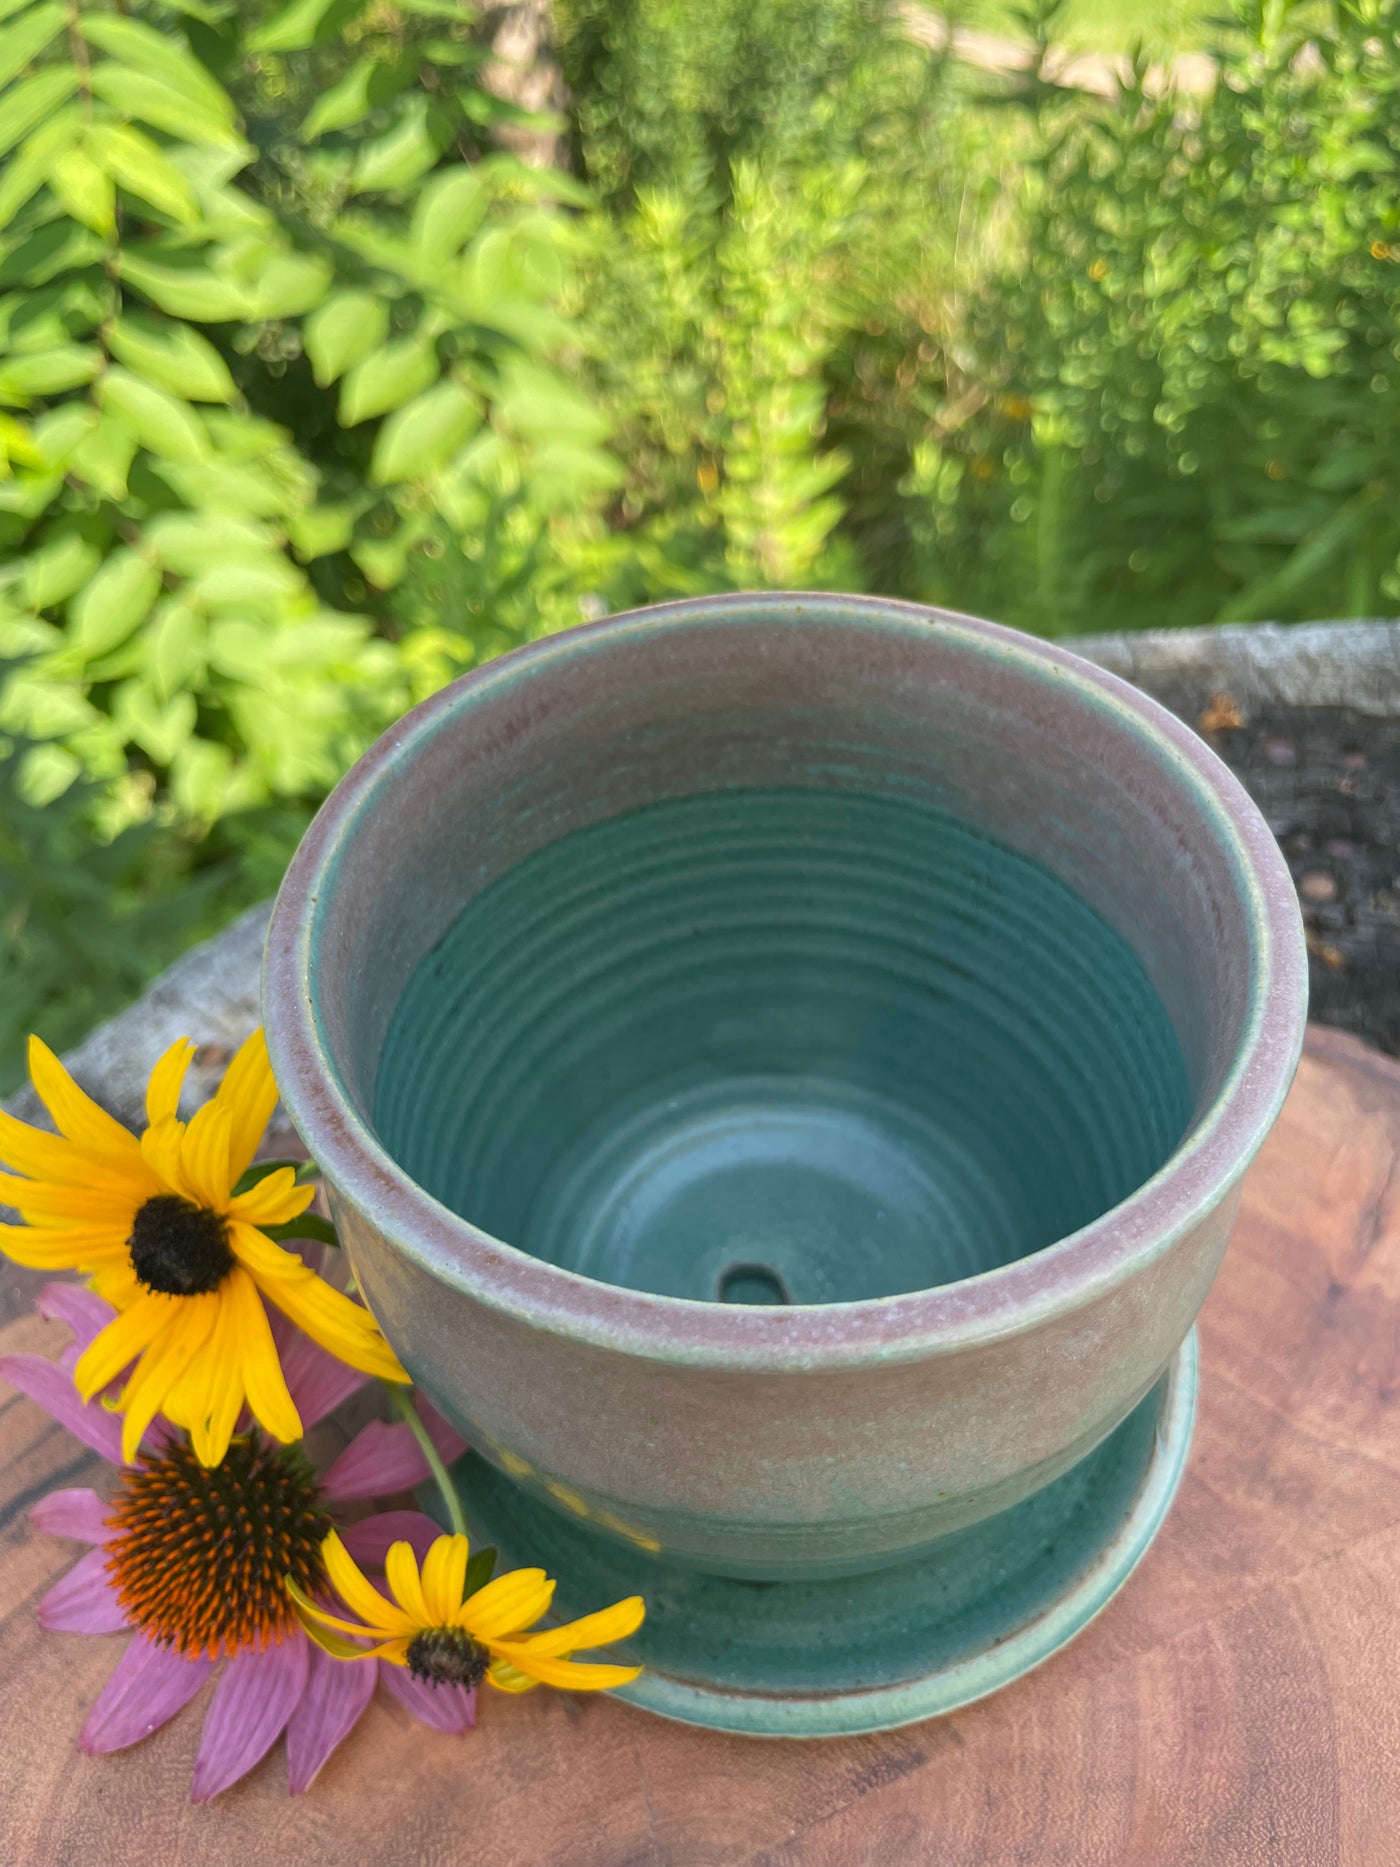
x,y
1238,1705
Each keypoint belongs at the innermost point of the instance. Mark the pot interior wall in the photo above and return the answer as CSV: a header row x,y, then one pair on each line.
x,y
780,1044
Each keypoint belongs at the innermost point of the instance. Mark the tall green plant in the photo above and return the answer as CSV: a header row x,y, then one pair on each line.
x,y
1187,404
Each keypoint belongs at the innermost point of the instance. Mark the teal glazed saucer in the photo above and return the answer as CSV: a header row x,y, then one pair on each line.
x,y
888,1647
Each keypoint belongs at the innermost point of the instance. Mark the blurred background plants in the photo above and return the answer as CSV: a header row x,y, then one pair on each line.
x,y
314,390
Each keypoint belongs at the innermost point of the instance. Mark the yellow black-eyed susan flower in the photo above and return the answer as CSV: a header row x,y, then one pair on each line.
x,y
157,1226
446,1635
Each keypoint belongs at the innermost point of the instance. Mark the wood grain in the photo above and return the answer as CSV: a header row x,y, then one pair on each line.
x,y
1237,1706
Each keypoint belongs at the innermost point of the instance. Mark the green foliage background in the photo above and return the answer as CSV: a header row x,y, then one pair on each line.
x,y
311,397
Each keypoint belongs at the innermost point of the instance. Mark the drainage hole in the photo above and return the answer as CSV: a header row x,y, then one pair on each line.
x,y
752,1283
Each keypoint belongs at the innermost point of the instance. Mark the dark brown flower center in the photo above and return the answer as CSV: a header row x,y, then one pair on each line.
x,y
178,1248
201,1554
447,1656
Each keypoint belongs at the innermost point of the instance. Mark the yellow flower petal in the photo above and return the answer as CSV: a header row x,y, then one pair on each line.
x,y
268,1261
63,1248
318,1623
444,1573
76,1115
382,1618
507,1605
208,1398
274,1200
508,1678
345,1329
594,1630
250,1095
569,1675
205,1157
161,1149
41,1155
328,1642
263,1381
162,1366
68,1205
166,1081
124,1338
401,1573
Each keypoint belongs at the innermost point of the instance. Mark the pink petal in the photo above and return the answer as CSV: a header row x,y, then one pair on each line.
x,y
369,1540
256,1696
337,1691
78,1513
316,1380
52,1389
85,1313
381,1458
151,1683
445,1707
84,1602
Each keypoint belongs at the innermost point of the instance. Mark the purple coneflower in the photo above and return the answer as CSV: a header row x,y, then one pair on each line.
x,y
192,1561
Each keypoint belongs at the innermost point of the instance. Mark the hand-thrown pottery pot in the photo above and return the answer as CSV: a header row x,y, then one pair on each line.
x,y
783,1066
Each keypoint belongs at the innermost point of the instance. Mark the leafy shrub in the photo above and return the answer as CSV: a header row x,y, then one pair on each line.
x,y
775,176
250,380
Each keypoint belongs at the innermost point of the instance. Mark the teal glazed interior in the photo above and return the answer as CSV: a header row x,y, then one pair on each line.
x,y
780,1045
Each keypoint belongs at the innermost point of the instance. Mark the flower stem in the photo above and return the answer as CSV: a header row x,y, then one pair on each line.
x,y
403,1404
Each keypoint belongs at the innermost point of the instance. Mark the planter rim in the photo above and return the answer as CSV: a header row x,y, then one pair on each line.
x,y
1007,1300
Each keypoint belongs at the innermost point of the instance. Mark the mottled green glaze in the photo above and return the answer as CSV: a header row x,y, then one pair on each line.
x,y
867,1653
802,947
780,1043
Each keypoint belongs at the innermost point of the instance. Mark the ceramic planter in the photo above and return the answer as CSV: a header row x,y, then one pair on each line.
x,y
784,1067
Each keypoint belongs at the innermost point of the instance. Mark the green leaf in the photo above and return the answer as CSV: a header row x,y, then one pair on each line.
x,y
36,320
382,560
60,247
46,773
481,1566
173,357
174,642
158,729
134,161
103,457
29,170
139,94
48,372
417,439
388,379
85,189
61,565
28,37
191,543
289,286
259,1171
342,330
448,210
343,104
159,421
310,1226
263,585
301,24
162,56
34,100
112,602
320,530
183,285
401,155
